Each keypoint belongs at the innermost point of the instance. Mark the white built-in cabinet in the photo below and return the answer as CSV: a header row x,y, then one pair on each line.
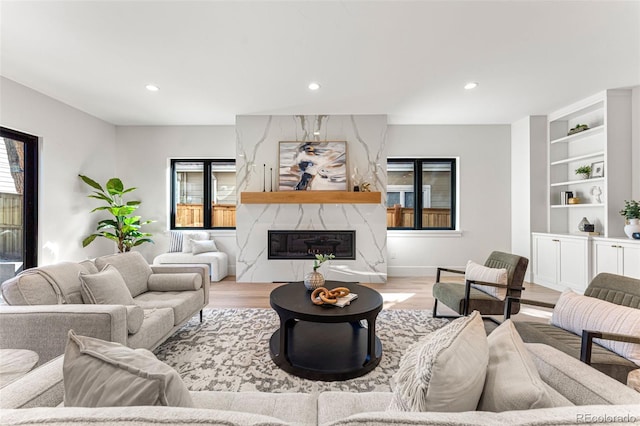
x,y
564,257
561,261
617,256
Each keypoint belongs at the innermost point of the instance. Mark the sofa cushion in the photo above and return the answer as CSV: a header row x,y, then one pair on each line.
x,y
156,327
575,312
189,236
175,282
445,371
133,268
206,246
296,408
512,382
107,287
217,261
478,272
336,405
183,303
107,374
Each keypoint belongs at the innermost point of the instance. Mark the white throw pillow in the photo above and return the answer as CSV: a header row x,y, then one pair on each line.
x,y
445,371
203,246
575,312
513,381
478,272
188,237
97,373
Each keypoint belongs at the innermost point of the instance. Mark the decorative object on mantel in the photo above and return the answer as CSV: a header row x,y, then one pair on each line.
x,y
597,169
636,235
574,200
316,166
579,128
631,212
356,180
584,171
315,279
582,225
596,193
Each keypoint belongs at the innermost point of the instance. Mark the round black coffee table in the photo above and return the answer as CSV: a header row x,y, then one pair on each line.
x,y
325,342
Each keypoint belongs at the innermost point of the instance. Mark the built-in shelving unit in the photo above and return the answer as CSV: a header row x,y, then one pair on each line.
x,y
606,144
310,197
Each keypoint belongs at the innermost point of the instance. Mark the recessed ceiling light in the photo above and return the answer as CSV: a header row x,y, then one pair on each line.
x,y
316,133
152,87
314,86
471,85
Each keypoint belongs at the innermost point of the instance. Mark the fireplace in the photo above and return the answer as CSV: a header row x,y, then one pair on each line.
x,y
306,244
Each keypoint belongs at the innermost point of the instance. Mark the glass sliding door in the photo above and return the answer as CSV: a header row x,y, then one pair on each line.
x,y
18,202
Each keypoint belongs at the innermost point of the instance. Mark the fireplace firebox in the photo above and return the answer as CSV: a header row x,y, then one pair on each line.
x,y
306,244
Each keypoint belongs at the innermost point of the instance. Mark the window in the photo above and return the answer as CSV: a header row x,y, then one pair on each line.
x,y
18,202
436,199
201,202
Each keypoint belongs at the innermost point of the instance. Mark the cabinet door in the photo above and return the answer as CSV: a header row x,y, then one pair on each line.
x,y
606,258
573,264
546,260
631,261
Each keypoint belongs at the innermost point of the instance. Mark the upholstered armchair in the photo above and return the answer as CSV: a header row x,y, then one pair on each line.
x,y
476,294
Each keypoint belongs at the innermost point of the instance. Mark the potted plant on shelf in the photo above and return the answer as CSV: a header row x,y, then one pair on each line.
x,y
631,213
123,228
584,171
315,279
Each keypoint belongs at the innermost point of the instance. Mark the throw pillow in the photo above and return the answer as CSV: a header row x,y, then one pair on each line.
x,y
175,241
576,312
513,381
97,373
107,287
478,272
445,371
132,266
188,237
203,246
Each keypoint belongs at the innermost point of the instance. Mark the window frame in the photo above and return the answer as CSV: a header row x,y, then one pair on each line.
x,y
206,196
418,195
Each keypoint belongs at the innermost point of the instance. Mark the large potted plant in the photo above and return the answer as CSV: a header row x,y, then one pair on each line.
x,y
123,228
631,212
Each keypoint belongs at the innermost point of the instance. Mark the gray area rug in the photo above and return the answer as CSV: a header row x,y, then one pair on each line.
x,y
229,351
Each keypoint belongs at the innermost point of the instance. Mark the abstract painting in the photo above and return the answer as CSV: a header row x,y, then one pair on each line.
x,y
312,166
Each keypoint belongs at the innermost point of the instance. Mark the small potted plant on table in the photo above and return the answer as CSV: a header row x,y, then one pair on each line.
x,y
631,212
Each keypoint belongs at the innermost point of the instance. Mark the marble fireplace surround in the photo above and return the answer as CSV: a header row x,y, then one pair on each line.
x,y
257,142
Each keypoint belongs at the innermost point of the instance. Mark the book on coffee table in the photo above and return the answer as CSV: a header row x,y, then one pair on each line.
x,y
344,301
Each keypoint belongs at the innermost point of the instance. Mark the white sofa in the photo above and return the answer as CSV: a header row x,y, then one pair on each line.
x,y
181,252
216,260
595,395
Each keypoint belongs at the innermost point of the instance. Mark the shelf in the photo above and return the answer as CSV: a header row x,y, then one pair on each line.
x,y
576,206
577,182
578,158
310,197
580,135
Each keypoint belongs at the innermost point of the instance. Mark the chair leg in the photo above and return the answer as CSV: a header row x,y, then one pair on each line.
x,y
435,309
200,315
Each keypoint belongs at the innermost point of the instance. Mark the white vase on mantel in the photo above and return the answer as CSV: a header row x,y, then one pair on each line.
x,y
633,226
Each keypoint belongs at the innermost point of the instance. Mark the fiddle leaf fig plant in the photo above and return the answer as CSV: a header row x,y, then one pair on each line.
x,y
123,227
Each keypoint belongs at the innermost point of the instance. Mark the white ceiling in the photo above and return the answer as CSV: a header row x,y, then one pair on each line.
x,y
214,60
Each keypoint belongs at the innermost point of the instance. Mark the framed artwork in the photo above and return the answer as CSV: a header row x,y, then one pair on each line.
x,y
312,166
597,169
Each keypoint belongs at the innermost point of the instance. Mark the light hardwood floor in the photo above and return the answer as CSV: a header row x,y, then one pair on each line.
x,y
398,293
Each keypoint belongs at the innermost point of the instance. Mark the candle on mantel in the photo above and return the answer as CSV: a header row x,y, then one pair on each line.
x,y
271,180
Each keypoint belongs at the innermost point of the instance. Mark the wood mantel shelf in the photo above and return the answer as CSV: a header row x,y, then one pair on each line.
x,y
310,197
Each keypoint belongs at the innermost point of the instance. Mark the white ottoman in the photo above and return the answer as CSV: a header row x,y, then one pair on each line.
x,y
217,261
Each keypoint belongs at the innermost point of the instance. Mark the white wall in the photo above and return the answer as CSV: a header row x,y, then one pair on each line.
x,y
528,182
71,142
144,154
484,192
635,143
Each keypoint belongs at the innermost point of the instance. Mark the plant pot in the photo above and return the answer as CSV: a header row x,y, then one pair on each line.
x,y
632,227
313,280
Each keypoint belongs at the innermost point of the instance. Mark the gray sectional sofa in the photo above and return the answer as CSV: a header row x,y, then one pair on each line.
x,y
595,397
45,302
